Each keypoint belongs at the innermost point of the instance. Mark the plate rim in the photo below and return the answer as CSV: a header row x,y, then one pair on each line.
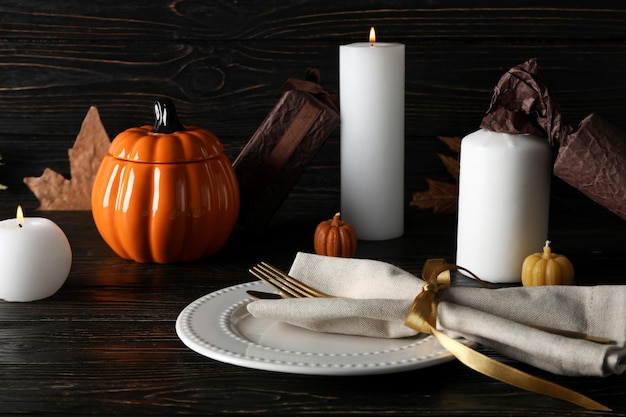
x,y
237,298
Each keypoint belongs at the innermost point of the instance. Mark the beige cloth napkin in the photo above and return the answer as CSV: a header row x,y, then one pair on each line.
x,y
375,298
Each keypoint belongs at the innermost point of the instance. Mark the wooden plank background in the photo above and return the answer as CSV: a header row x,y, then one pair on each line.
x,y
223,62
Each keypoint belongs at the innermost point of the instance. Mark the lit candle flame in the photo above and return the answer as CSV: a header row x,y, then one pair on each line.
x,y
19,215
372,35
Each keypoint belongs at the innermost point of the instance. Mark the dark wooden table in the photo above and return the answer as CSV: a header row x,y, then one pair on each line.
x,y
106,344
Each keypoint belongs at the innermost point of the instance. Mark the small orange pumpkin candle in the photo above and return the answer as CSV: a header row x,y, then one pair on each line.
x,y
547,268
335,237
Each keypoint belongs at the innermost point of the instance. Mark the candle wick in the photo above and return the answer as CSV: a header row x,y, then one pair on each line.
x,y
19,224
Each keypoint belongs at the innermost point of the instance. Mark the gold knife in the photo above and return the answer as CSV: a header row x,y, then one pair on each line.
x,y
261,295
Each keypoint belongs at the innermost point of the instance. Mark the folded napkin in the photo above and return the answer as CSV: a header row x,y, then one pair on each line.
x,y
374,299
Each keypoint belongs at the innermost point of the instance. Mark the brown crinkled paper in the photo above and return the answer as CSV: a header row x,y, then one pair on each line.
x,y
282,147
591,158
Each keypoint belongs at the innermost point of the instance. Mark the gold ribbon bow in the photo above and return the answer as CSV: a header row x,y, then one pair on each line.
x,y
423,318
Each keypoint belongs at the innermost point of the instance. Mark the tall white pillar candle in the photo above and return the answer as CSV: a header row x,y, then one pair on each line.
x,y
371,93
504,199
35,257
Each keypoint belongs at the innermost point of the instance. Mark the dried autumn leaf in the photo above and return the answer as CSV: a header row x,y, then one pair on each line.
x,y
54,191
440,196
452,165
453,142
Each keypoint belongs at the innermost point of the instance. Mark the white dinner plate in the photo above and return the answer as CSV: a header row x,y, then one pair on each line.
x,y
219,326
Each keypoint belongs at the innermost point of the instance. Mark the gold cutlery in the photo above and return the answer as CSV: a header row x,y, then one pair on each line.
x,y
287,286
262,295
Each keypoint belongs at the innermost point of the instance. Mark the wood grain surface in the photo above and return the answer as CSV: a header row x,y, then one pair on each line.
x,y
223,63
106,345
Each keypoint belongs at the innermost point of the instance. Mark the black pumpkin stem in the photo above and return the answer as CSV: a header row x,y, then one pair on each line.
x,y
165,118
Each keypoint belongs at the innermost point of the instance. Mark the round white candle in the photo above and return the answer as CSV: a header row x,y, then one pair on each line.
x,y
371,91
504,201
35,259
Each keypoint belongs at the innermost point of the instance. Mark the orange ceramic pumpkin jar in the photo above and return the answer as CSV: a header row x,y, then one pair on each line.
x,y
165,193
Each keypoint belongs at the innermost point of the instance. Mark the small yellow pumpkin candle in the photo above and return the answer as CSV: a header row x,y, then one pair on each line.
x,y
335,237
547,268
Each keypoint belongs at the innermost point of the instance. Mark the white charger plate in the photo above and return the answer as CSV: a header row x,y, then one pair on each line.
x,y
219,326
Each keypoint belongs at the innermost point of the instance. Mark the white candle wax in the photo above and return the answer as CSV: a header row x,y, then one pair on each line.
x,y
371,91
504,200
35,259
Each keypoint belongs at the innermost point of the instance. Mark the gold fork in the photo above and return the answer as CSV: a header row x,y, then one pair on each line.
x,y
288,286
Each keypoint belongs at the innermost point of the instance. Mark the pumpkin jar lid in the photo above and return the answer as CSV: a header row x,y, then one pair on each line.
x,y
168,141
